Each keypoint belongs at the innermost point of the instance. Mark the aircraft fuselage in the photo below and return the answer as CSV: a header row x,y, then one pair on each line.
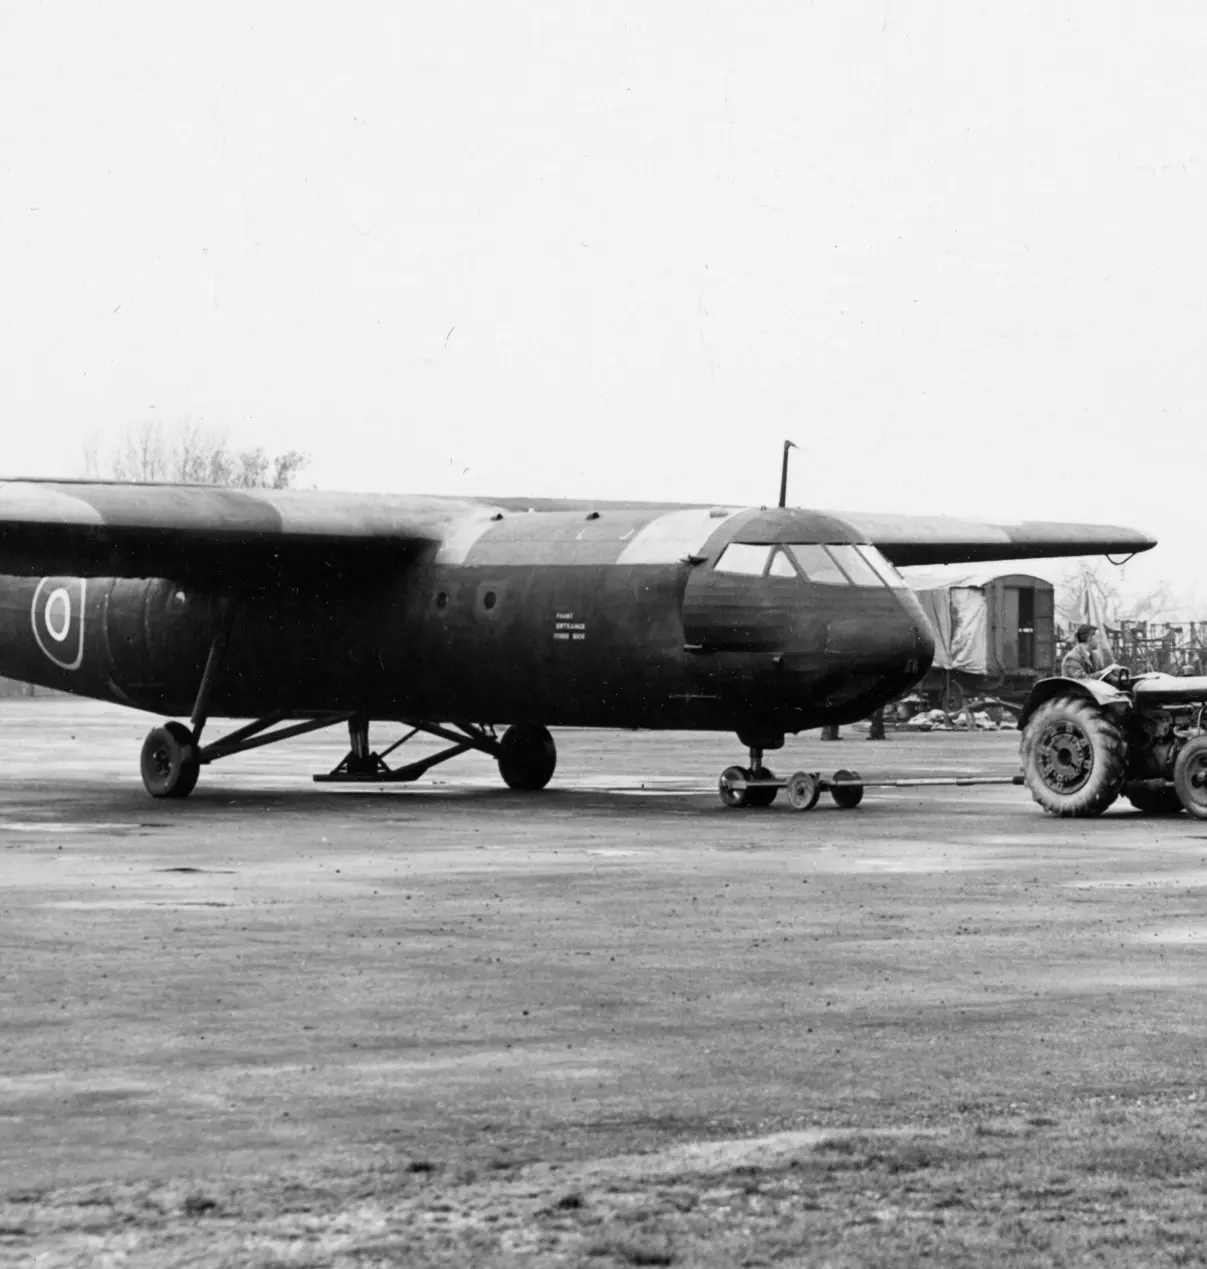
x,y
567,619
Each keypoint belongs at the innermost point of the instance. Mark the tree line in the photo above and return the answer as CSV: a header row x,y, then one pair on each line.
x,y
189,453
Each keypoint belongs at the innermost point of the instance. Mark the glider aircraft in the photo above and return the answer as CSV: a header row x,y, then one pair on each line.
x,y
454,616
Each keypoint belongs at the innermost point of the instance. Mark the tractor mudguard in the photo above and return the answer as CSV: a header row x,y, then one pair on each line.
x,y
1095,690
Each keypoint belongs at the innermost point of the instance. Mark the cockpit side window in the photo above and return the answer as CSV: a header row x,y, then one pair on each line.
x,y
855,566
887,573
817,565
744,559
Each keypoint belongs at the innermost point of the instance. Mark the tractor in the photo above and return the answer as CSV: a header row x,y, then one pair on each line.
x,y
1086,741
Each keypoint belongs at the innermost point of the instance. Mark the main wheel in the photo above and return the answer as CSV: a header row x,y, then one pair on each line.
x,y
1154,801
527,756
1190,777
168,762
1074,757
850,795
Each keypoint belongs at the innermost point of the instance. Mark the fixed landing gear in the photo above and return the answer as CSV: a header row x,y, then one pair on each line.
x,y
527,757
169,762
173,755
526,754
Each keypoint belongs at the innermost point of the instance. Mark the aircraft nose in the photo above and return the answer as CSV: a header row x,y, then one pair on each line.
x,y
893,637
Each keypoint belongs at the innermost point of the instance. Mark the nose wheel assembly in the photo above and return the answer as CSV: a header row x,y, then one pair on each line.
x,y
756,785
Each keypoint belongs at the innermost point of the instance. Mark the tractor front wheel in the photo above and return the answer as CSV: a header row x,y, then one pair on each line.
x,y
1190,777
1074,757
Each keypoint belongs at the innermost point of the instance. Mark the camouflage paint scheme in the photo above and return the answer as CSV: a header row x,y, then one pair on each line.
x,y
460,610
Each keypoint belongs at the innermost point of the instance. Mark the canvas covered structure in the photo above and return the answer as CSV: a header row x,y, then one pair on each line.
x,y
988,623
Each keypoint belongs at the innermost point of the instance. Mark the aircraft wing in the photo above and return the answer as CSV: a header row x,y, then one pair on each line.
x,y
907,539
202,533
949,540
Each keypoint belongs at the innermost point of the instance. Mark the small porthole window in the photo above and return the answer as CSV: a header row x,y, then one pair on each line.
x,y
442,599
489,599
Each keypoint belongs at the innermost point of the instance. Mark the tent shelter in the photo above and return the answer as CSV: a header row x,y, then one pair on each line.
x,y
996,631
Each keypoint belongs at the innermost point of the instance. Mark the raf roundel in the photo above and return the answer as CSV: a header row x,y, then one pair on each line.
x,y
57,614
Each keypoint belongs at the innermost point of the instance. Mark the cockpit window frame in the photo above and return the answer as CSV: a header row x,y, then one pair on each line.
x,y
856,564
829,574
736,547
793,573
882,565
845,555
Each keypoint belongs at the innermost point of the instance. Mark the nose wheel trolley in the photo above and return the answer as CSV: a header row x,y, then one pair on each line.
x,y
751,787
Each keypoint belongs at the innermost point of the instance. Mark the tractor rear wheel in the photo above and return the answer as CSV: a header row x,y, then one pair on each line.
x,y
1074,757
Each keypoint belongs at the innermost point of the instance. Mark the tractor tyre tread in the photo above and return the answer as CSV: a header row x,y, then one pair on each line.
x,y
1106,778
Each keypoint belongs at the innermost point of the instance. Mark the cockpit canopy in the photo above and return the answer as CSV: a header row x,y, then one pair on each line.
x,y
832,564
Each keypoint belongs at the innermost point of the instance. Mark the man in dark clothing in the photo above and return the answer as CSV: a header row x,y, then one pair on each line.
x,y
1082,660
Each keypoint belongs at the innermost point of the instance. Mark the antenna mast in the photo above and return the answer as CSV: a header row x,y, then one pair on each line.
x,y
784,474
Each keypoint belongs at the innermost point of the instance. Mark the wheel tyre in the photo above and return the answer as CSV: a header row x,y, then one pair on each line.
x,y
850,795
1155,801
1190,777
732,787
764,796
1074,757
802,791
169,763
527,757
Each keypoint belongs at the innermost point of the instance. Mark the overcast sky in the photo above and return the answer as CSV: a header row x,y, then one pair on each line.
x,y
956,251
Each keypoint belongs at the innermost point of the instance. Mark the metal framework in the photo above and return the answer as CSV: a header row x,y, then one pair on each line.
x,y
1174,647
361,765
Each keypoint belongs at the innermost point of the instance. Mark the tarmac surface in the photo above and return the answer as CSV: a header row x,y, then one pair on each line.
x,y
446,1023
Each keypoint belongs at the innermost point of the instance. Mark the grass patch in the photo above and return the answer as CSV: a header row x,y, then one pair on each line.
x,y
1069,1191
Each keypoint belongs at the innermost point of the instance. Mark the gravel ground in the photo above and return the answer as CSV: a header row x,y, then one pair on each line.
x,y
613,1023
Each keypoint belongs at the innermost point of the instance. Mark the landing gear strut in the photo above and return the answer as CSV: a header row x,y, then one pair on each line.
x,y
526,754
173,755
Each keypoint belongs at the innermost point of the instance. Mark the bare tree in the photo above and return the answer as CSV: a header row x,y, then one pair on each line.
x,y
142,454
285,468
1113,603
189,453
1072,588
